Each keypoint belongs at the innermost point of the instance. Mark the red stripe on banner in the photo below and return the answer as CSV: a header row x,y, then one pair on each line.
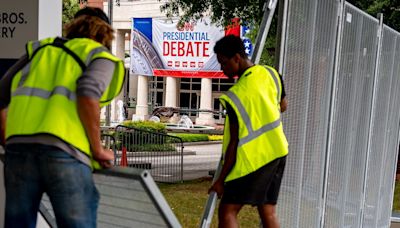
x,y
234,28
188,74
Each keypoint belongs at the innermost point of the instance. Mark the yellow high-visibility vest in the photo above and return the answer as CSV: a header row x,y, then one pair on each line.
x,y
43,92
255,98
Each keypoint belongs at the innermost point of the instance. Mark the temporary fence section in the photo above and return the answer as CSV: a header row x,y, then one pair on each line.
x,y
159,153
341,72
128,198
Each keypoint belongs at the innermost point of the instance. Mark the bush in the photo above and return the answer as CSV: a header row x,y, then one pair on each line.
x,y
192,137
215,137
146,125
144,132
149,148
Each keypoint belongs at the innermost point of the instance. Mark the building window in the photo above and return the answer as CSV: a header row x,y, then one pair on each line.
x,y
156,91
222,85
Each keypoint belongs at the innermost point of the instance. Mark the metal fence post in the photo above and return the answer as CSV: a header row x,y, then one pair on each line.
x,y
372,114
336,67
269,9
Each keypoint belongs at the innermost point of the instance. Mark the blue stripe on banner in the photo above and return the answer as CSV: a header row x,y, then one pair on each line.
x,y
144,25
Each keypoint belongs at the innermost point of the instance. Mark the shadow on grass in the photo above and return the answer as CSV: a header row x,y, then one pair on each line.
x,y
187,200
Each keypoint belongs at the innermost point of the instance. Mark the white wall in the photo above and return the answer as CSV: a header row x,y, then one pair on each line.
x,y
122,14
50,18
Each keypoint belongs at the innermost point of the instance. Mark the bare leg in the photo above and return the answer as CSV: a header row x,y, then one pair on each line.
x,y
227,215
268,216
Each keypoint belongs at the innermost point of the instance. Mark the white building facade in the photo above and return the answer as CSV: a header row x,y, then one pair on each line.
x,y
143,93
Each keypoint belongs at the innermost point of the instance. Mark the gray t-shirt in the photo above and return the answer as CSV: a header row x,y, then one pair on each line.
x,y
92,83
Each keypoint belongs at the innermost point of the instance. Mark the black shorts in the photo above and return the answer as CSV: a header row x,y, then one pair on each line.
x,y
257,188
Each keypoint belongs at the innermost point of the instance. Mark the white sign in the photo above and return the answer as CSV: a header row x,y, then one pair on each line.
x,y
161,48
189,47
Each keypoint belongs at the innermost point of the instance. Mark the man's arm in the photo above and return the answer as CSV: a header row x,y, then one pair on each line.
x,y
90,87
5,94
284,102
89,113
230,154
3,114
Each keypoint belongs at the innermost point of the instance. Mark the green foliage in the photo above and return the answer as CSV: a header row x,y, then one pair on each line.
x,y
146,125
69,8
390,10
187,202
191,137
215,137
220,12
186,137
396,197
149,148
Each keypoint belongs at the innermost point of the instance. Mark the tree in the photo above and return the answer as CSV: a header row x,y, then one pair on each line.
x,y
69,8
389,8
222,13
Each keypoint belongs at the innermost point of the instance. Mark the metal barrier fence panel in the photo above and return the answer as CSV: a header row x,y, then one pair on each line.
x,y
393,134
354,89
310,49
391,131
376,163
159,153
344,116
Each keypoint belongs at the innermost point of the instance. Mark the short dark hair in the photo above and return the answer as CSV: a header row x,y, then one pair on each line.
x,y
229,46
94,12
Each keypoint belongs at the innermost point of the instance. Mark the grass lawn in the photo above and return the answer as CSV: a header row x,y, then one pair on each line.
x,y
187,200
396,198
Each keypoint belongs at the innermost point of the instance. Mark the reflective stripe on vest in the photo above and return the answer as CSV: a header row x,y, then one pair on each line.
x,y
255,99
272,73
51,98
26,69
58,90
246,118
94,52
33,48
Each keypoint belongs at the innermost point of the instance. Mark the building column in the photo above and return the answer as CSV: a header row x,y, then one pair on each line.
x,y
116,110
142,107
171,92
206,118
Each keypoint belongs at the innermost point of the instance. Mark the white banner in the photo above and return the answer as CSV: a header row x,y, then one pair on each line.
x,y
160,48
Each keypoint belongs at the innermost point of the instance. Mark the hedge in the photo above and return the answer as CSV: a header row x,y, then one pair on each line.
x,y
197,137
146,125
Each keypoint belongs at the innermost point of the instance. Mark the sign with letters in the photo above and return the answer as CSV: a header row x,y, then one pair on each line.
x,y
22,21
18,24
160,47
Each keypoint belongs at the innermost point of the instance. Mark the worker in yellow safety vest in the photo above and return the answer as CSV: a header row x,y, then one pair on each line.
x,y
254,145
50,122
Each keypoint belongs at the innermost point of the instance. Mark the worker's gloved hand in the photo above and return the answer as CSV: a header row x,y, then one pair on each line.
x,y
105,157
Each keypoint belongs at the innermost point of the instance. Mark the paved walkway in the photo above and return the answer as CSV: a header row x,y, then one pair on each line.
x,y
206,159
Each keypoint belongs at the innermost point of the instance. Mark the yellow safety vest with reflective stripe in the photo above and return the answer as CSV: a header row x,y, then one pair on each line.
x,y
43,92
255,98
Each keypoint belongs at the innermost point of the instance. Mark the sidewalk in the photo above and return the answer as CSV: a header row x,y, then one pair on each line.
x,y
206,159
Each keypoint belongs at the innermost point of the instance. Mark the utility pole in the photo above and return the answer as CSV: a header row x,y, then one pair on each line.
x,y
110,16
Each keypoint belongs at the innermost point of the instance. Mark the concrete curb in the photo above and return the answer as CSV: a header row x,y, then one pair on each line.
x,y
201,143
